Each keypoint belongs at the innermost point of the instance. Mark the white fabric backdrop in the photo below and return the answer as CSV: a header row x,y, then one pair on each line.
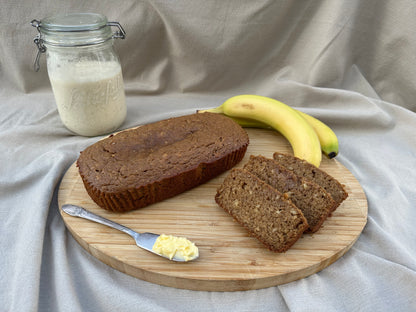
x,y
350,63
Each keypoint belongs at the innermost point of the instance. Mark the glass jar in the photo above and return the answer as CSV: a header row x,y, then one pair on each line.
x,y
84,71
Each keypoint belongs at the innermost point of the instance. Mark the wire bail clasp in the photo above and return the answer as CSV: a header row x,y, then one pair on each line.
x,y
39,43
120,33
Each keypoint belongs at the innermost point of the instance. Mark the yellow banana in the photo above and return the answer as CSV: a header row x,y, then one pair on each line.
x,y
281,117
327,137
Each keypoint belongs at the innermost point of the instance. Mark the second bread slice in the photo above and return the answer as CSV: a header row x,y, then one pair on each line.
x,y
261,209
315,203
308,171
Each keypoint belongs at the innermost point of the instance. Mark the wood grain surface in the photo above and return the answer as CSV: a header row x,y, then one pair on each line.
x,y
230,260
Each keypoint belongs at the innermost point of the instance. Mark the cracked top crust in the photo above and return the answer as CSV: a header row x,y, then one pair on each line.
x,y
159,150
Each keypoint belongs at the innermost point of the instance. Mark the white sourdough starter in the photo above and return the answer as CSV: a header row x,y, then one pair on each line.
x,y
89,96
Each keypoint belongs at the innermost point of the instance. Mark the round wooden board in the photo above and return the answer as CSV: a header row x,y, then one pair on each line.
x,y
230,260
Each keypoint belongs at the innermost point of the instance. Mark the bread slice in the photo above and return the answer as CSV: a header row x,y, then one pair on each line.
x,y
142,166
314,202
261,209
304,169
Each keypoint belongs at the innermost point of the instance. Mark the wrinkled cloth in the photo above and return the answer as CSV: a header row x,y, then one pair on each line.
x,y
351,63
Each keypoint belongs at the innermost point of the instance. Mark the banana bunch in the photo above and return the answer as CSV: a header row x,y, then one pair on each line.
x,y
308,136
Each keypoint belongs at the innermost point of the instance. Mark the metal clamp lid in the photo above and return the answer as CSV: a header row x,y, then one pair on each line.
x,y
39,41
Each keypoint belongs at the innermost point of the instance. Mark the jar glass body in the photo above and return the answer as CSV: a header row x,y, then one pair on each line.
x,y
84,70
87,83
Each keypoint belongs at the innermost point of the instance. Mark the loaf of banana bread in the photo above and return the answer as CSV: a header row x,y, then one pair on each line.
x,y
138,167
304,169
314,202
267,215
